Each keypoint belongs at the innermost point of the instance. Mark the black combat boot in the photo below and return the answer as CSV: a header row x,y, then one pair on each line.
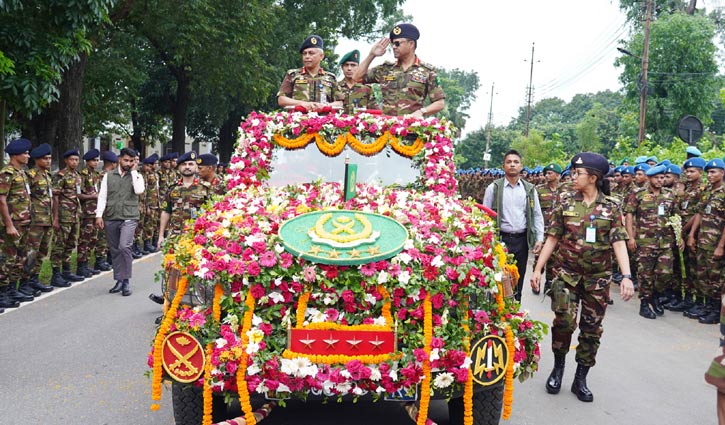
x,y
645,310
109,259
656,305
117,287
697,309
26,289
16,295
158,299
680,303
102,265
712,312
149,247
5,301
135,252
57,279
95,270
126,288
69,276
83,269
35,283
547,287
553,383
579,386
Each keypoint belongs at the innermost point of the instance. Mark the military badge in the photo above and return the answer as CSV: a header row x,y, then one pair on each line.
x,y
313,41
182,357
397,30
489,360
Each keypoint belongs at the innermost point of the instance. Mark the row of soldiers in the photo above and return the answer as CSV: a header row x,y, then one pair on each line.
x,y
675,219
45,213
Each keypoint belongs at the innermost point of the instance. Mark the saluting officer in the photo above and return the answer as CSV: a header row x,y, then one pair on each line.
x,y
585,230
66,216
355,95
310,86
15,212
41,205
207,172
89,233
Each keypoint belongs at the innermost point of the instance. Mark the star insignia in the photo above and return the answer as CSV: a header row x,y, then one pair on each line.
x,y
354,253
376,343
315,250
331,342
373,250
308,342
354,342
333,254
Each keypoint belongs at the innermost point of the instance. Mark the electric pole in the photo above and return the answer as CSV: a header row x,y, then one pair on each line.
x,y
487,154
645,63
528,102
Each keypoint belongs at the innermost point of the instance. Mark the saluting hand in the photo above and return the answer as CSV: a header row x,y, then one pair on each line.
x,y
380,47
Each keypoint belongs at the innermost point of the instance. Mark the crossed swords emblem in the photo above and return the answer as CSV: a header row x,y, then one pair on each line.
x,y
182,360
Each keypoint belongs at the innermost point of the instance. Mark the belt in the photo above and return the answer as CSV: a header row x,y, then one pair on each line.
x,y
513,235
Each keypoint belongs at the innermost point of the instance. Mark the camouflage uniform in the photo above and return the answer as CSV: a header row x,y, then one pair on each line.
x,y
67,186
584,270
15,185
153,203
299,85
89,234
547,199
357,96
404,91
143,217
218,187
689,203
654,238
41,230
709,270
185,203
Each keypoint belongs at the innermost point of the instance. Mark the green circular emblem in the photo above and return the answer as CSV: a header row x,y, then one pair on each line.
x,y
343,237
489,360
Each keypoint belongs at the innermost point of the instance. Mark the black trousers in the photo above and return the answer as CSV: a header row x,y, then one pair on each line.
x,y
518,245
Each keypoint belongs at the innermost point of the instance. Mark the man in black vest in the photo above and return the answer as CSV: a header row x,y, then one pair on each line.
x,y
519,217
118,213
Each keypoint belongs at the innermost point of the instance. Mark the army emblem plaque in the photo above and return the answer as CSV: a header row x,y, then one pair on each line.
x,y
182,357
489,360
343,237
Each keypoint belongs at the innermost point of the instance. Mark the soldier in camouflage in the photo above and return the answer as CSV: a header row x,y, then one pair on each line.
x,y
152,203
707,240
585,231
15,213
168,174
548,196
207,172
185,199
407,83
137,250
648,210
89,233
310,87
66,217
41,205
640,175
354,94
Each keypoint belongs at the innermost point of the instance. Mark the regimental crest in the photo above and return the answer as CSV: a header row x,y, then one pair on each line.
x,y
397,30
343,237
313,41
489,360
182,357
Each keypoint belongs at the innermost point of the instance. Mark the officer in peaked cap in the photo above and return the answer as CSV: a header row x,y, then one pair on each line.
x,y
355,95
692,151
207,172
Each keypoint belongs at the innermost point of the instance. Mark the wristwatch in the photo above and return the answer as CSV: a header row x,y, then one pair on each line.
x,y
626,276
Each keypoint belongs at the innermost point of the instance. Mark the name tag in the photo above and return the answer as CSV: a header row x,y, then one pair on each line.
x,y
707,209
647,197
570,214
591,235
301,81
78,189
389,77
661,210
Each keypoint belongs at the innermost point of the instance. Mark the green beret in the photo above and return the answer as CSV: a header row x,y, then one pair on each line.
x,y
553,167
353,56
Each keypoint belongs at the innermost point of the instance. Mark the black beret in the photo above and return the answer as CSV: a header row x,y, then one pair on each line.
x,y
592,161
353,56
189,156
408,31
109,156
18,146
91,154
151,159
312,41
71,152
207,159
173,155
40,151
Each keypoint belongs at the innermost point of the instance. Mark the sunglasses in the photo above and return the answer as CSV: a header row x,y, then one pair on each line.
x,y
398,43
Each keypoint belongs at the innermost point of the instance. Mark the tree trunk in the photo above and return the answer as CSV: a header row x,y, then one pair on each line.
x,y
178,112
136,141
227,137
61,123
691,7
2,132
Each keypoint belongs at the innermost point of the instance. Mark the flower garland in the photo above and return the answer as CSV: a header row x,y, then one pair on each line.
x,y
508,395
425,385
468,387
369,149
386,306
242,371
331,359
407,151
216,314
169,319
297,143
331,149
334,149
301,309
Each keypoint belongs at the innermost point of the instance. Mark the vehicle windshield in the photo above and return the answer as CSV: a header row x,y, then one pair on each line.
x,y
309,164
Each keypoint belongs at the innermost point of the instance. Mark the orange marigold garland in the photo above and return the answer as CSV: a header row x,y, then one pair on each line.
x,y
508,395
331,149
368,149
242,389
301,309
297,143
468,387
406,151
207,418
386,306
169,318
428,338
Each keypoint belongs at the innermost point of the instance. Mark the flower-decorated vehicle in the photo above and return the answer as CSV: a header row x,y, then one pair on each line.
x,y
319,283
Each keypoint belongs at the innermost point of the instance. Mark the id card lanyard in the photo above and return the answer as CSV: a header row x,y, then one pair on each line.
x,y
591,235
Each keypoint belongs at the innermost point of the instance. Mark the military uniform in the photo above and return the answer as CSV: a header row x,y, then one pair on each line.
x,y
547,199
298,84
15,186
66,186
152,202
41,230
405,91
89,232
357,96
688,203
185,203
712,224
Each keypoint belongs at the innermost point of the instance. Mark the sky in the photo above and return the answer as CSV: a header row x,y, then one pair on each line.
x,y
575,48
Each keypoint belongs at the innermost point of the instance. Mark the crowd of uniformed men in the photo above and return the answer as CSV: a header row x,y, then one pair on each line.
x,y
46,214
677,272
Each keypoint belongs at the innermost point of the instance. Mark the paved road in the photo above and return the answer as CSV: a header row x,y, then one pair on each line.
x,y
78,356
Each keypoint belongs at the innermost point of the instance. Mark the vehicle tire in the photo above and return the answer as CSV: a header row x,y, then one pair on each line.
x,y
487,406
188,403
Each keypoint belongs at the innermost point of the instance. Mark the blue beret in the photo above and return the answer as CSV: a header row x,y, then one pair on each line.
x,y
658,169
312,41
151,159
628,170
18,146
208,159
695,162
674,169
640,159
565,173
173,155
71,152
592,161
653,158
353,56
665,162
408,31
91,154
618,169
109,156
164,157
189,156
715,163
641,167
692,150
40,151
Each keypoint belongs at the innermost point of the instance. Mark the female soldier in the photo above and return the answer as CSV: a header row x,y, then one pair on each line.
x,y
587,226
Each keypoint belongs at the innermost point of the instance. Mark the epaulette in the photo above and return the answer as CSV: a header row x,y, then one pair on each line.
x,y
61,172
612,199
84,172
293,71
427,65
205,184
7,169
